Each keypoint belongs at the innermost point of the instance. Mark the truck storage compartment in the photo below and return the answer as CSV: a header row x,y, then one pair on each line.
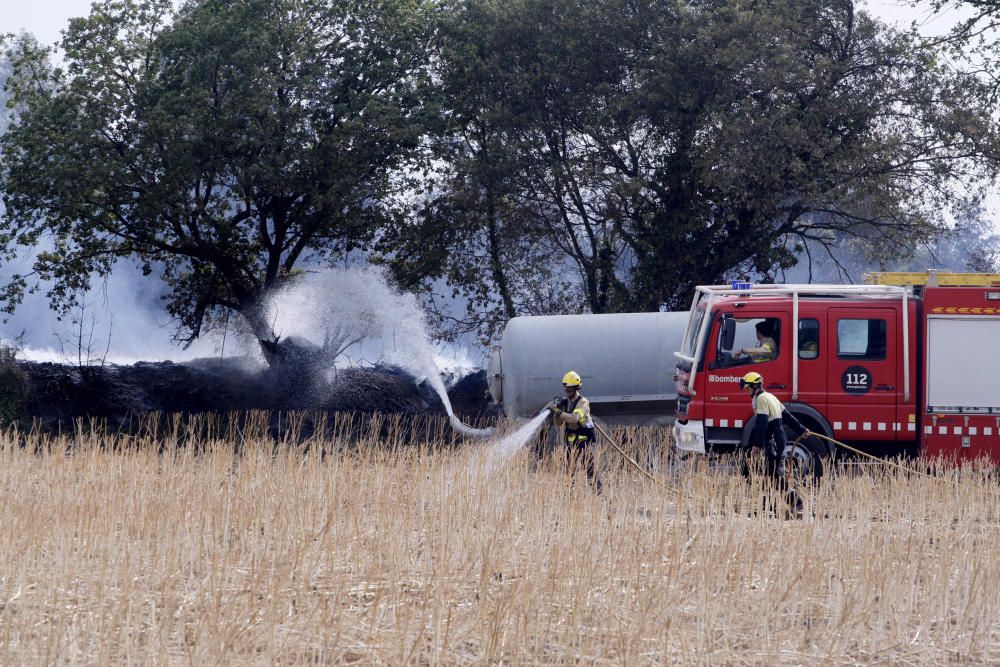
x,y
962,418
963,364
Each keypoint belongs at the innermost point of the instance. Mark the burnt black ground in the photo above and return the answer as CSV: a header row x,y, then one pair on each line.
x,y
55,395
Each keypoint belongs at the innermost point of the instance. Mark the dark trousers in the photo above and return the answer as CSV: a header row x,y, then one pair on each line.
x,y
774,465
774,449
580,454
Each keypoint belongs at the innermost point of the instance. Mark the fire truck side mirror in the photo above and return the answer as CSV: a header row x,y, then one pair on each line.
x,y
728,335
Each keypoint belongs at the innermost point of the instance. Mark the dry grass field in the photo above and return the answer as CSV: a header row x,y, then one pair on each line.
x,y
137,551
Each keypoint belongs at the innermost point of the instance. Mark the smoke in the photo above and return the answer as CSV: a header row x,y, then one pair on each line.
x,y
350,313
122,320
353,315
970,244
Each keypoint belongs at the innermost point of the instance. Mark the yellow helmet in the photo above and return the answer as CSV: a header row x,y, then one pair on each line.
x,y
572,379
751,378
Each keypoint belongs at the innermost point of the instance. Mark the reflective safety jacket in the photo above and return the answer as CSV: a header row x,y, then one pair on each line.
x,y
765,351
767,404
576,419
769,415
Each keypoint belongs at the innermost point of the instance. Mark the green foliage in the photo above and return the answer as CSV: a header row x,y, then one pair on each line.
x,y
219,144
975,38
969,244
564,155
645,147
13,385
477,231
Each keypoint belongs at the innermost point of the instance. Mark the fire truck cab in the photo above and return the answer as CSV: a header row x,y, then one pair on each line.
x,y
907,364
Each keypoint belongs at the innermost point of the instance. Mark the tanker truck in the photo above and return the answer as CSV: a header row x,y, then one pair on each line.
x,y
626,361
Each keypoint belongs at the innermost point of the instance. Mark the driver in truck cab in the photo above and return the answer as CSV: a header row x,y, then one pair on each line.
x,y
766,348
573,414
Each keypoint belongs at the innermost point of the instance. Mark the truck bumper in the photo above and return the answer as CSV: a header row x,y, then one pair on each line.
x,y
690,437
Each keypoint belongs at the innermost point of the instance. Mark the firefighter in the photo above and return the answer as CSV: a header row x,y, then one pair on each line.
x,y
573,413
768,432
766,348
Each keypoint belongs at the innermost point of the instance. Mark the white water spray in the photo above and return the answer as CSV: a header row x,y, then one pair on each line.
x,y
354,312
503,448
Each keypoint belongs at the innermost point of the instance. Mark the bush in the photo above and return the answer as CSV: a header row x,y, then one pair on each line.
x,y
13,385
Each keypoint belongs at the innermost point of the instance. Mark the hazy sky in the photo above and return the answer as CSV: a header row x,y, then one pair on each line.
x,y
42,18
45,18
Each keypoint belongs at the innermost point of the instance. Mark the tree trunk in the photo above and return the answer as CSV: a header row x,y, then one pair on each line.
x,y
253,314
496,264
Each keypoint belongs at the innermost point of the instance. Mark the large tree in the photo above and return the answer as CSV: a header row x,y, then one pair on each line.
x,y
221,144
475,237
661,144
522,199
793,121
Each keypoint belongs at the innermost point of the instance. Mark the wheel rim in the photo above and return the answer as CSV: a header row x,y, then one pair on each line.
x,y
799,461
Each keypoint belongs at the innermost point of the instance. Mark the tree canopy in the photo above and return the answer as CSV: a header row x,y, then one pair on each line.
x,y
531,156
975,41
976,34
650,146
220,144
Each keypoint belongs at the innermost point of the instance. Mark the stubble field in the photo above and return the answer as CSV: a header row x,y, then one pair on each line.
x,y
353,548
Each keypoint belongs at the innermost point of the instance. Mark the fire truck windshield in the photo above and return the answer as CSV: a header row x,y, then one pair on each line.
x,y
690,346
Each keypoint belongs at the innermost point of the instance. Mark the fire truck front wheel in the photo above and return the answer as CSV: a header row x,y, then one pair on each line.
x,y
804,459
808,458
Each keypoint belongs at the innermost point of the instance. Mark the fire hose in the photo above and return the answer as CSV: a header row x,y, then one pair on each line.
x,y
645,473
631,461
892,464
866,455
838,443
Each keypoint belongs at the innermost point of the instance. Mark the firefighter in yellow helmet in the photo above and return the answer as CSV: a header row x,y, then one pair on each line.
x,y
768,432
573,413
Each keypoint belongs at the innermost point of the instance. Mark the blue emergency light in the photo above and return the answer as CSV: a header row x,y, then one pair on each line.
x,y
740,284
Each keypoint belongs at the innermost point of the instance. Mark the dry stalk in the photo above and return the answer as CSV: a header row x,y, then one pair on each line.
x,y
377,541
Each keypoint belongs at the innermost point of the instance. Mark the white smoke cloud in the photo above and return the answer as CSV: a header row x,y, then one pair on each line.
x,y
122,320
353,313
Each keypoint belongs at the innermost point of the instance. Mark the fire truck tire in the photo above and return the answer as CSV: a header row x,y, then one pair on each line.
x,y
807,460
804,460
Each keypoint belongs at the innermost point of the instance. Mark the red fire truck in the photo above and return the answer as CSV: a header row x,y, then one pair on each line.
x,y
908,363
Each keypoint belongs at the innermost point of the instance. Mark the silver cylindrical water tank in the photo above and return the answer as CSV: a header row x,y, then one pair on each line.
x,y
626,361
